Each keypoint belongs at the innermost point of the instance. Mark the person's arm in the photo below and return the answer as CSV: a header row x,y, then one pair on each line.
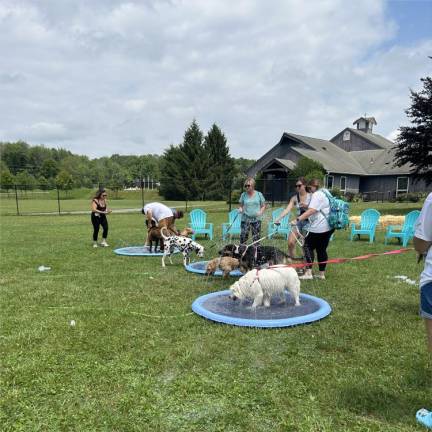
x,y
286,210
423,229
308,213
421,246
263,205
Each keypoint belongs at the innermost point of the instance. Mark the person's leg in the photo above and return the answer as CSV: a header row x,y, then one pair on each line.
x,y
104,223
244,231
321,248
309,247
96,223
426,311
168,223
256,230
291,244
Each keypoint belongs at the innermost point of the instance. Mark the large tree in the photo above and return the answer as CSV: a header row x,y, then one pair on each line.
x,y
414,143
185,168
221,166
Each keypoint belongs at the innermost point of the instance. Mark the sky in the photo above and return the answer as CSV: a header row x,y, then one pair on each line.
x,y
103,77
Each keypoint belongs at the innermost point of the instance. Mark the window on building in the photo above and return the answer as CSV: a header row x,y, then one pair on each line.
x,y
346,136
343,184
330,180
402,185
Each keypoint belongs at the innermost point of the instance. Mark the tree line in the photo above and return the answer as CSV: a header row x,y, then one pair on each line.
x,y
198,168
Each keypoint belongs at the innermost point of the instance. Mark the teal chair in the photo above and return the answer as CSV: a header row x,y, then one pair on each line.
x,y
367,226
198,222
233,226
404,233
284,227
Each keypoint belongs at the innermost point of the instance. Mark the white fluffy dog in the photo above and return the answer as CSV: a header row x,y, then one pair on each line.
x,y
261,285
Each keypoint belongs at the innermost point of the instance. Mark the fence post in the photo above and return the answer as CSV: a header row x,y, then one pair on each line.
x,y
16,199
142,191
230,196
58,201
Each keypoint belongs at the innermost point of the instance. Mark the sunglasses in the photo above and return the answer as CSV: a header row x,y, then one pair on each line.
x,y
104,195
299,185
247,185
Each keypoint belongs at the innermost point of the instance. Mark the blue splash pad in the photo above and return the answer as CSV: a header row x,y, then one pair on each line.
x,y
218,307
139,251
199,267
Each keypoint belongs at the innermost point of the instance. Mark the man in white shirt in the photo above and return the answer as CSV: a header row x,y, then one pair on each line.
x,y
422,245
159,215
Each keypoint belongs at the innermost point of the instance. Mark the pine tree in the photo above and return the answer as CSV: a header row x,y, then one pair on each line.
x,y
185,167
414,144
221,166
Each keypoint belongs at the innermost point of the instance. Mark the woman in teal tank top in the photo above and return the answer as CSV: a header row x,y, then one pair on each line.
x,y
252,207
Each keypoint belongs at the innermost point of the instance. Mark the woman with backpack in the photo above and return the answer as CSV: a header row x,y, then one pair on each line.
x,y
319,229
301,201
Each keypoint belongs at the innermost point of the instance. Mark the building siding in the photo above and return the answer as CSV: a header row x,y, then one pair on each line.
x,y
356,143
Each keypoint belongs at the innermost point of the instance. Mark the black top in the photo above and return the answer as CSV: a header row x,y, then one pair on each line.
x,y
99,207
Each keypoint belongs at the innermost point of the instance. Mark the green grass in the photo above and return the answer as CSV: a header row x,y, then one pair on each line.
x,y
139,360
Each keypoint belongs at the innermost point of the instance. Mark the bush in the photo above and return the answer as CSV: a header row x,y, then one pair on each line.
x,y
336,193
408,197
350,196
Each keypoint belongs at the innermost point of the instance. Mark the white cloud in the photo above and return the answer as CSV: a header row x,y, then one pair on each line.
x,y
129,77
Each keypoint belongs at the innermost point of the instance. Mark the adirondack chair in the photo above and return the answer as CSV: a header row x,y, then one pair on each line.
x,y
233,226
404,233
284,227
198,222
368,222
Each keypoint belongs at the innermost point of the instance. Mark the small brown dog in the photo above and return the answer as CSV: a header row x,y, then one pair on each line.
x,y
226,264
154,236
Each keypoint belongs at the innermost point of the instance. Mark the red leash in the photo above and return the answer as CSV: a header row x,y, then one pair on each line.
x,y
342,260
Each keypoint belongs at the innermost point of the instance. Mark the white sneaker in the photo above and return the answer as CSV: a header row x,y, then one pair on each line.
x,y
306,276
319,276
104,243
95,245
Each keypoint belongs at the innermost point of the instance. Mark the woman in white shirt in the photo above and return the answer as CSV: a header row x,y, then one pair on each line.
x,y
319,229
301,201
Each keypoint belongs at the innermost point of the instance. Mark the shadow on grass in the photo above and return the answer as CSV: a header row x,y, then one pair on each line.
x,y
384,404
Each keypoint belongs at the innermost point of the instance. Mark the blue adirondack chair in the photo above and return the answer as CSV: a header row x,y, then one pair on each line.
x,y
367,226
198,222
404,233
284,227
233,226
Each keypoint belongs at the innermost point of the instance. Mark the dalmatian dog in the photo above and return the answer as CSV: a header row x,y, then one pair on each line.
x,y
182,243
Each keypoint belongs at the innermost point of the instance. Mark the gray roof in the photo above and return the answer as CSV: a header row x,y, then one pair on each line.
x,y
287,163
332,157
378,140
368,119
336,160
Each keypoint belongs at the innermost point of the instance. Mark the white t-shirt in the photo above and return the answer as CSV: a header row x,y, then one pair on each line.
x,y
318,221
159,211
423,231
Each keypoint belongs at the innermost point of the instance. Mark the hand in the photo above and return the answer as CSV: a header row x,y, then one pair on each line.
x,y
293,222
240,210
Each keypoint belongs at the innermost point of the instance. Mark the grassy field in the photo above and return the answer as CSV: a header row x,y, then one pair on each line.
x,y
139,360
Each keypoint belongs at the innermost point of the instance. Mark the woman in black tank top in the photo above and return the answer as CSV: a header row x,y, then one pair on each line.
x,y
98,217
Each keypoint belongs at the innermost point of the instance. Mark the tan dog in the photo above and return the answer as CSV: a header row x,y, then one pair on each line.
x,y
226,264
154,236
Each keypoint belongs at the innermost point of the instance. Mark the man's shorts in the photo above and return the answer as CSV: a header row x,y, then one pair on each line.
x,y
426,301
